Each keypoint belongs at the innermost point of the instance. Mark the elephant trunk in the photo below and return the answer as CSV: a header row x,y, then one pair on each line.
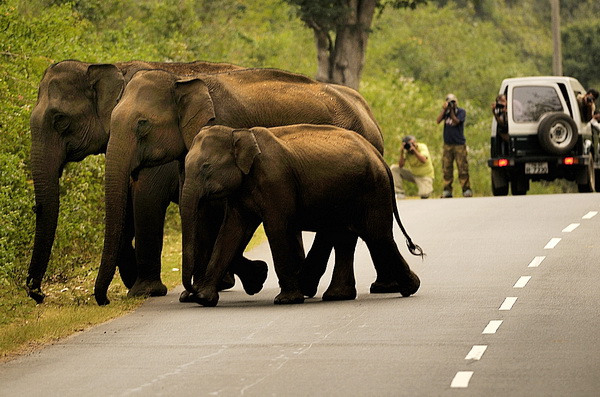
x,y
46,167
188,208
119,160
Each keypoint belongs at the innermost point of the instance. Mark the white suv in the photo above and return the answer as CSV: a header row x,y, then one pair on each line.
x,y
548,139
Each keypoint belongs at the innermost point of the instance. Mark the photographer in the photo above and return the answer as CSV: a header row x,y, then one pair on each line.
x,y
500,112
413,166
455,148
587,104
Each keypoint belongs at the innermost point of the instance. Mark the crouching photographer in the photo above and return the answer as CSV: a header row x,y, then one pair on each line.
x,y
414,166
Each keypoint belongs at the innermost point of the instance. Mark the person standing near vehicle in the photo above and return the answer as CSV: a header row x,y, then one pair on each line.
x,y
413,166
500,112
455,148
587,104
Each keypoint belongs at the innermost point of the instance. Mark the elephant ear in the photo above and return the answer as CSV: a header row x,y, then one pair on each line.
x,y
245,149
195,106
108,83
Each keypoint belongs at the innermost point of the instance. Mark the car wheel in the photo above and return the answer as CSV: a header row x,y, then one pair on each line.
x,y
499,183
519,185
590,177
557,133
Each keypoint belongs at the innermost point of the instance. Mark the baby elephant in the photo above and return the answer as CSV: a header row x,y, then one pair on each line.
x,y
293,178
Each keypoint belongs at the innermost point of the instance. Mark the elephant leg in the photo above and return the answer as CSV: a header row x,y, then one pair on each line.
x,y
152,192
231,240
207,223
288,257
315,264
385,282
253,274
385,255
126,260
343,283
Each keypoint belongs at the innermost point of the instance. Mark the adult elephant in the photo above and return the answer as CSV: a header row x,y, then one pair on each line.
x,y
69,122
160,113
317,186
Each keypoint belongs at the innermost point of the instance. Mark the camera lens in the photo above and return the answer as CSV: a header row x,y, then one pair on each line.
x,y
407,146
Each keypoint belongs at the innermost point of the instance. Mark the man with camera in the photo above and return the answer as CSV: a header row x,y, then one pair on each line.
x,y
455,148
500,112
587,104
413,166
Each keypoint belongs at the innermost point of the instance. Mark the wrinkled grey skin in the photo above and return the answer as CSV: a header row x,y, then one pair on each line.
x,y
292,178
69,122
149,130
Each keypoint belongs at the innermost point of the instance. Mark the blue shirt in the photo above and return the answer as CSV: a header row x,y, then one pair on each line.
x,y
455,134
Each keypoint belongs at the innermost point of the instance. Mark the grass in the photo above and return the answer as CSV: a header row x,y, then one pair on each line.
x,y
70,307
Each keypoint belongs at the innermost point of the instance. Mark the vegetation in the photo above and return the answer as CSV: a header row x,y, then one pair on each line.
x,y
413,59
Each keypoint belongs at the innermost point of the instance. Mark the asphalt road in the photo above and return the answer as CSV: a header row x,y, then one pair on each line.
x,y
508,306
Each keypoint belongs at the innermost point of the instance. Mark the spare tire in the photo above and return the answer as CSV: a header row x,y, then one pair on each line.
x,y
557,133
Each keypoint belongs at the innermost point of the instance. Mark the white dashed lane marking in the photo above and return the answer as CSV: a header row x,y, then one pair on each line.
x,y
476,352
508,303
492,327
552,243
522,282
536,261
571,227
590,215
461,379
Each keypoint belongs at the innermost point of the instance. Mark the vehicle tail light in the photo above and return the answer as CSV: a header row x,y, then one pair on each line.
x,y
502,162
570,161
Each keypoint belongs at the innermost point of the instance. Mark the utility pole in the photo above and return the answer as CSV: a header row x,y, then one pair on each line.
x,y
557,54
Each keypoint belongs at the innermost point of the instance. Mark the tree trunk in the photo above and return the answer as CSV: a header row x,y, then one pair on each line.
x,y
342,61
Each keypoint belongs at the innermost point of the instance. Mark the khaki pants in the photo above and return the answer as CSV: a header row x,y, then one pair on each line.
x,y
424,183
456,153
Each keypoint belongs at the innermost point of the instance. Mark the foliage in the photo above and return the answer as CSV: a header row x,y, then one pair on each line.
x,y
581,50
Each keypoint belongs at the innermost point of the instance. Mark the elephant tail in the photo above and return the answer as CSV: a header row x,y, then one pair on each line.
x,y
412,247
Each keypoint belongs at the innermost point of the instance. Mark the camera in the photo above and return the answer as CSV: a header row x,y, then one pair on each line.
x,y
407,146
451,104
499,105
589,99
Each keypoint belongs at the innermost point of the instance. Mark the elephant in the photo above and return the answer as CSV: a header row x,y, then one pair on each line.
x,y
160,113
291,178
71,121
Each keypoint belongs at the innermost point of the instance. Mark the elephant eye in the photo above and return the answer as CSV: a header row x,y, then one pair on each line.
x,y
61,122
143,127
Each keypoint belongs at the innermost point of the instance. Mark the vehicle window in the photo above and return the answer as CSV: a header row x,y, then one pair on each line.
x,y
530,103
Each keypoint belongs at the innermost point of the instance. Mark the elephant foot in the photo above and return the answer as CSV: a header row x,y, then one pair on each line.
x,y
187,297
411,285
309,283
147,288
206,298
253,275
101,299
289,298
227,282
35,292
384,287
345,293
